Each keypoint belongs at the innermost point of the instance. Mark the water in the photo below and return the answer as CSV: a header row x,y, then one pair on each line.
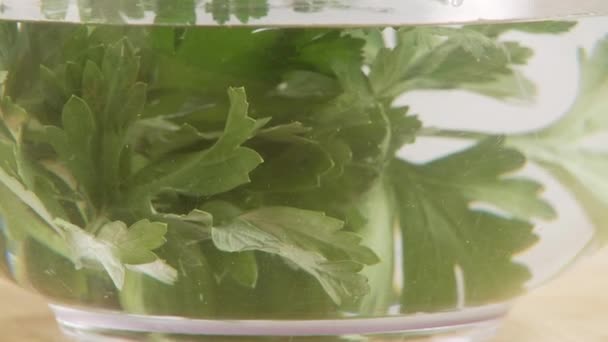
x,y
428,174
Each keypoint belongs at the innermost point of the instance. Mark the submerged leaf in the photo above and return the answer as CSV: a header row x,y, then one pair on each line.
x,y
117,246
309,240
560,147
222,167
455,255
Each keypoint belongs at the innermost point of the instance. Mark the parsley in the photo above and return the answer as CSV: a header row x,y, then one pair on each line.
x,y
442,233
226,164
560,147
307,239
180,168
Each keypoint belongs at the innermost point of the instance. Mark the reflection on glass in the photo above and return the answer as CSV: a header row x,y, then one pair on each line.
x,y
296,12
241,9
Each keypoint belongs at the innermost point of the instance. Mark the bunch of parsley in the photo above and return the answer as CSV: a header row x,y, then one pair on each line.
x,y
161,169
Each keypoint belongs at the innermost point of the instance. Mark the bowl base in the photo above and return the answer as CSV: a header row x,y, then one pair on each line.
x,y
470,325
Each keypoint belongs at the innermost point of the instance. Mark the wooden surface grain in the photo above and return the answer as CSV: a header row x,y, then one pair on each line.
x,y
572,308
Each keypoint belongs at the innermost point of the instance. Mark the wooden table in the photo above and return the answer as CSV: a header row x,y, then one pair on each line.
x,y
573,308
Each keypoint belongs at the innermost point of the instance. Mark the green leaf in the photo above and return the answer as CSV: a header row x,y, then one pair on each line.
x,y
136,243
310,240
80,128
159,137
35,178
242,267
120,69
222,58
49,273
374,41
93,87
8,160
341,156
190,294
391,65
23,215
293,132
329,50
476,62
14,188
353,105
306,84
84,247
116,247
194,226
541,27
296,167
450,58
513,86
55,90
454,255
133,105
477,174
403,128
588,193
472,42
13,119
222,211
220,168
458,67
76,142
560,147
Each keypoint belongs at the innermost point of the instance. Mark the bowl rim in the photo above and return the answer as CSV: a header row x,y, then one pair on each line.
x,y
299,12
105,320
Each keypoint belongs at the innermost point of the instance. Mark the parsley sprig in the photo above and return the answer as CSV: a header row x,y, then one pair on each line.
x,y
174,166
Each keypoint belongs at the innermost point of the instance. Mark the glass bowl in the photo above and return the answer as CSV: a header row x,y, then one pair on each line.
x,y
303,170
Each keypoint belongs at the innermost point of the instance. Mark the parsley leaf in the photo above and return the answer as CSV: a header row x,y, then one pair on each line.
x,y
328,50
448,58
541,27
238,57
292,132
190,293
23,214
226,164
477,174
192,227
307,84
76,144
29,192
116,246
310,240
295,168
134,244
456,255
560,147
